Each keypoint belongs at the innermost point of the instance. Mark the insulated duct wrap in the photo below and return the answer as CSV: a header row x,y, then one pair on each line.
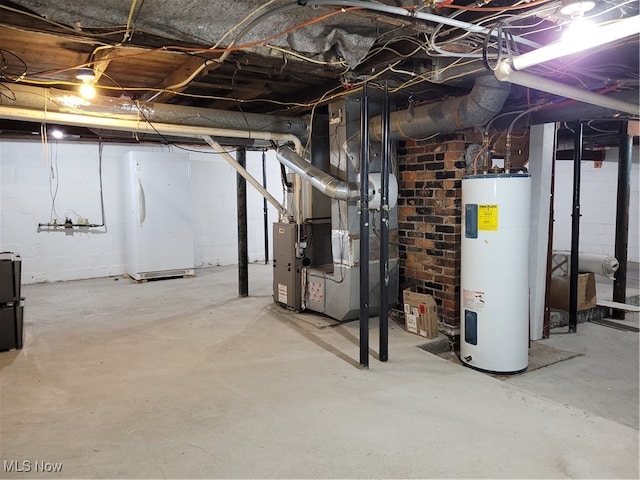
x,y
63,101
475,109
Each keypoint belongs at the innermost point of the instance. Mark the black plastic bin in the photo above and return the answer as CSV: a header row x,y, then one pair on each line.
x,y
12,326
10,277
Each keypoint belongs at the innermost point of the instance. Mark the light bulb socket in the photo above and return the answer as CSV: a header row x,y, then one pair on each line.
x,y
576,8
86,75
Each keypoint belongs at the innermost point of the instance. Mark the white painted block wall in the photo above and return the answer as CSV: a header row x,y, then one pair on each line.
x,y
25,201
598,195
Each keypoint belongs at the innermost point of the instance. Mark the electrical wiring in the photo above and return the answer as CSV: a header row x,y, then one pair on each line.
x,y
430,76
129,33
590,122
615,7
5,66
517,6
241,22
385,47
200,50
222,58
487,127
504,18
507,155
6,93
54,182
100,146
188,50
150,123
313,110
307,59
495,49
160,90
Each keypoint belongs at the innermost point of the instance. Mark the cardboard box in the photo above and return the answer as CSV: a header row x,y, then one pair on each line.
x,y
420,314
559,297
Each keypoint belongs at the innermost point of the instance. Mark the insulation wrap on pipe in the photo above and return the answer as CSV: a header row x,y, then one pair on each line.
x,y
475,109
604,265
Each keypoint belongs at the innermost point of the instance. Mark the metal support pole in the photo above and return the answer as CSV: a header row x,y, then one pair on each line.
x,y
265,211
243,255
384,232
575,230
622,219
546,327
364,228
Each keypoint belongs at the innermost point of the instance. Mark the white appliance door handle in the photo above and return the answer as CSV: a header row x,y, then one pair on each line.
x,y
142,207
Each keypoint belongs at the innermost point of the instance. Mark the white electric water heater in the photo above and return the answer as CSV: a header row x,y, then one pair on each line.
x,y
494,296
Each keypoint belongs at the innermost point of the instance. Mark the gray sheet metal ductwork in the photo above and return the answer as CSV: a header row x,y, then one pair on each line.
x,y
325,183
63,101
475,109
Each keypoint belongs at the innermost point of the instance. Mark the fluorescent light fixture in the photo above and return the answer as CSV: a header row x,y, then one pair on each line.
x,y
57,134
599,35
578,31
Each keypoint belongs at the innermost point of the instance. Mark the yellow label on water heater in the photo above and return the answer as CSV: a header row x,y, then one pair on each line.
x,y
488,217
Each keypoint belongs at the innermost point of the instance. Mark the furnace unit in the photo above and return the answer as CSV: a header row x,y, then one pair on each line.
x,y
286,266
317,254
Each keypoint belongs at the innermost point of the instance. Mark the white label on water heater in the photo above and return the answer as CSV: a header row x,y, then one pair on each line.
x,y
282,293
473,300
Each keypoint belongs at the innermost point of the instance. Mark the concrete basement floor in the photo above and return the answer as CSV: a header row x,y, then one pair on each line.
x,y
181,379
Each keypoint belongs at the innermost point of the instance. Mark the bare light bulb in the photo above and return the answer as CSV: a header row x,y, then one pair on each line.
x,y
57,134
87,91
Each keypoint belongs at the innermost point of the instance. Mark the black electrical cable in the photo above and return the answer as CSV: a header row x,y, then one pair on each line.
x,y
100,146
5,66
283,173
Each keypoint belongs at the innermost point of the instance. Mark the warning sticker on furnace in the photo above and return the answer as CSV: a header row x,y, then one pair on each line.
x,y
488,217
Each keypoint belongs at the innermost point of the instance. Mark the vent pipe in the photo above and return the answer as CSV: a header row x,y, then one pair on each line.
x,y
64,101
322,181
475,109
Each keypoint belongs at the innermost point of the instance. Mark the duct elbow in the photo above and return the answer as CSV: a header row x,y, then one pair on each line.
x,y
472,110
330,186
341,190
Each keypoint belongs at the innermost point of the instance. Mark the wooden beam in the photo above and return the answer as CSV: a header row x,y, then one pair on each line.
x,y
180,78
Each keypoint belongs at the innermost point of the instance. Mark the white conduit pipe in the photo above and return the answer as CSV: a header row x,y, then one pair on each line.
x,y
505,73
600,35
186,131
429,17
246,175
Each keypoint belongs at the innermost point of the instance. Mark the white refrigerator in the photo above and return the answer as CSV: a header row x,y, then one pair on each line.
x,y
158,218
